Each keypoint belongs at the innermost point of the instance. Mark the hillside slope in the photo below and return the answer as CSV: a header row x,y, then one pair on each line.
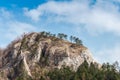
x,y
37,53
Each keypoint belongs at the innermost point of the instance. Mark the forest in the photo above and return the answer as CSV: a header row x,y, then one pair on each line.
x,y
87,72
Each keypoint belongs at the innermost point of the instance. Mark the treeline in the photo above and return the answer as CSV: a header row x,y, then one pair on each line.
x,y
87,72
63,36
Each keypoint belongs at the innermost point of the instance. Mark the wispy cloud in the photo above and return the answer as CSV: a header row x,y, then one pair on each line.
x,y
11,27
95,16
109,54
101,17
87,17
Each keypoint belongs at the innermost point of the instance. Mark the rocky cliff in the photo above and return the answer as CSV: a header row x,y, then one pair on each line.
x,y
38,53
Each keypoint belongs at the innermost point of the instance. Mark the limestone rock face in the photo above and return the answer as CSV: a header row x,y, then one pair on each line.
x,y
35,51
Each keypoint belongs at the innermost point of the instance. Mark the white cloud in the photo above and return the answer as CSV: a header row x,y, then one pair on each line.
x,y
109,54
102,17
5,14
33,13
10,28
16,28
116,0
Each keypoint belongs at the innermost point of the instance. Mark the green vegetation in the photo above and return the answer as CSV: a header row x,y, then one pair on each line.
x,y
76,40
73,39
84,72
64,73
62,36
23,77
87,72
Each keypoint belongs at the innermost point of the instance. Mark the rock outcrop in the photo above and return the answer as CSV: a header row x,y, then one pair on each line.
x,y
36,52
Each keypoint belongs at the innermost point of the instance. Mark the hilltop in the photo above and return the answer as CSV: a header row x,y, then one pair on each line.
x,y
36,51
46,56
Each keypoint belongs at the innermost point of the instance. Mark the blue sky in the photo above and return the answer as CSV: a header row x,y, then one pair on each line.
x,y
95,22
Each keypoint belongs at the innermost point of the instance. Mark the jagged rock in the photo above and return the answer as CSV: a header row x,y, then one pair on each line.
x,y
34,49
